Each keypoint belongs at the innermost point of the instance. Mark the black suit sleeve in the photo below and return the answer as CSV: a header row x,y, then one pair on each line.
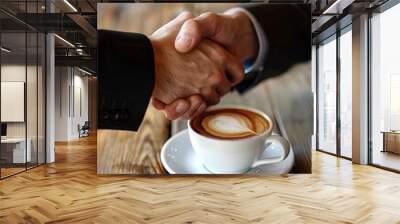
x,y
288,32
125,79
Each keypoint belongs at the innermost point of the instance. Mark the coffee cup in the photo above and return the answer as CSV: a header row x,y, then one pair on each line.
x,y
231,139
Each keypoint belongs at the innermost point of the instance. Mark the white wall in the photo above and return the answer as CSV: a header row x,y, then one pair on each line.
x,y
71,94
33,126
79,117
61,103
15,72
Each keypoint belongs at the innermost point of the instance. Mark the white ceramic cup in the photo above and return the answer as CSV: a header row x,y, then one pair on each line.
x,y
236,156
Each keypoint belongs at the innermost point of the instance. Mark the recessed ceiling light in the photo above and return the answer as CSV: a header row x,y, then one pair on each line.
x,y
70,5
65,41
84,71
338,6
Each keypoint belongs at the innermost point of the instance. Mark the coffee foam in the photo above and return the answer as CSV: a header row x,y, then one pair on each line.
x,y
228,125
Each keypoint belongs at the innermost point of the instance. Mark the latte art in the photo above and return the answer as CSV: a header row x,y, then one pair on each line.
x,y
229,123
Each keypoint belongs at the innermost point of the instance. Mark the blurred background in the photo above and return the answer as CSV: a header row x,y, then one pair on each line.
x,y
146,18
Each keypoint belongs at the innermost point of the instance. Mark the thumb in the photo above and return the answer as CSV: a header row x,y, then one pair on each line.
x,y
194,30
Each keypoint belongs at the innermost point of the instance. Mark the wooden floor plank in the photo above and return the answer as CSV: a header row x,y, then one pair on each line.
x,y
70,191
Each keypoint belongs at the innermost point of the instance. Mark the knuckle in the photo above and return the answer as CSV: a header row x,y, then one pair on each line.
x,y
223,56
189,21
220,52
220,55
218,78
196,100
192,24
209,15
186,15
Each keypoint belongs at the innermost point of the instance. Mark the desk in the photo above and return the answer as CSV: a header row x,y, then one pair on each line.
x,y
391,141
13,150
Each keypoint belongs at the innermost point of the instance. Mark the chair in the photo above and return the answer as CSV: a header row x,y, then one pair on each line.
x,y
84,130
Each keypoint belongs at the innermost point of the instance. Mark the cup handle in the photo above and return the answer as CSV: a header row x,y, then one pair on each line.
x,y
283,145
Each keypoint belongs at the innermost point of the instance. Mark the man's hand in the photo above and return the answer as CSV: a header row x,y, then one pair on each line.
x,y
232,29
209,70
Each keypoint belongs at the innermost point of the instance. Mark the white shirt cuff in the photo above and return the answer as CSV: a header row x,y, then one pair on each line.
x,y
262,42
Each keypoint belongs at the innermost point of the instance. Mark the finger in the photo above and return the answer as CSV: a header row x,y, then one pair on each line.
x,y
176,109
200,110
194,30
177,21
214,52
157,104
223,87
234,70
223,61
210,95
195,103
188,37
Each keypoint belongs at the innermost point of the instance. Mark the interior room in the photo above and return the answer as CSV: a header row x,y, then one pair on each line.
x,y
27,59
49,161
22,102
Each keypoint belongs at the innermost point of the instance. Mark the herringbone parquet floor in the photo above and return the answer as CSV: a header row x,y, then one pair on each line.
x,y
69,191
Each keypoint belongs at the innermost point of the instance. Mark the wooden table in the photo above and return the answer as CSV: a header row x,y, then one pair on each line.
x,y
287,99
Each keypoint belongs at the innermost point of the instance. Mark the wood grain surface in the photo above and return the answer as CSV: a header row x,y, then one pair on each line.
x,y
125,152
70,191
292,104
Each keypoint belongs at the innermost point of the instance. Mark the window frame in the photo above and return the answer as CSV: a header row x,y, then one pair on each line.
x,y
27,29
335,36
381,9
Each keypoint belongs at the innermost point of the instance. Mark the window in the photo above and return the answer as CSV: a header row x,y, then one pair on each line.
x,y
385,89
327,96
346,93
333,137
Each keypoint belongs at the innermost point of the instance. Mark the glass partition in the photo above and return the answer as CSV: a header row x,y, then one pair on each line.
x,y
22,77
327,96
14,153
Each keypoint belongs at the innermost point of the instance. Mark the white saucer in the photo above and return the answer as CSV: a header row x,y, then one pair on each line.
x,y
178,157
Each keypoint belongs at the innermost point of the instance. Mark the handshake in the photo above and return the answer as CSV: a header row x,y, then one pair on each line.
x,y
200,59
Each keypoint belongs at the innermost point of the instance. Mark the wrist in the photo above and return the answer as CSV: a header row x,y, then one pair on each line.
x,y
157,54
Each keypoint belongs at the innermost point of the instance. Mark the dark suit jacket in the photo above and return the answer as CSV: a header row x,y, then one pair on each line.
x,y
288,32
126,63
125,79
